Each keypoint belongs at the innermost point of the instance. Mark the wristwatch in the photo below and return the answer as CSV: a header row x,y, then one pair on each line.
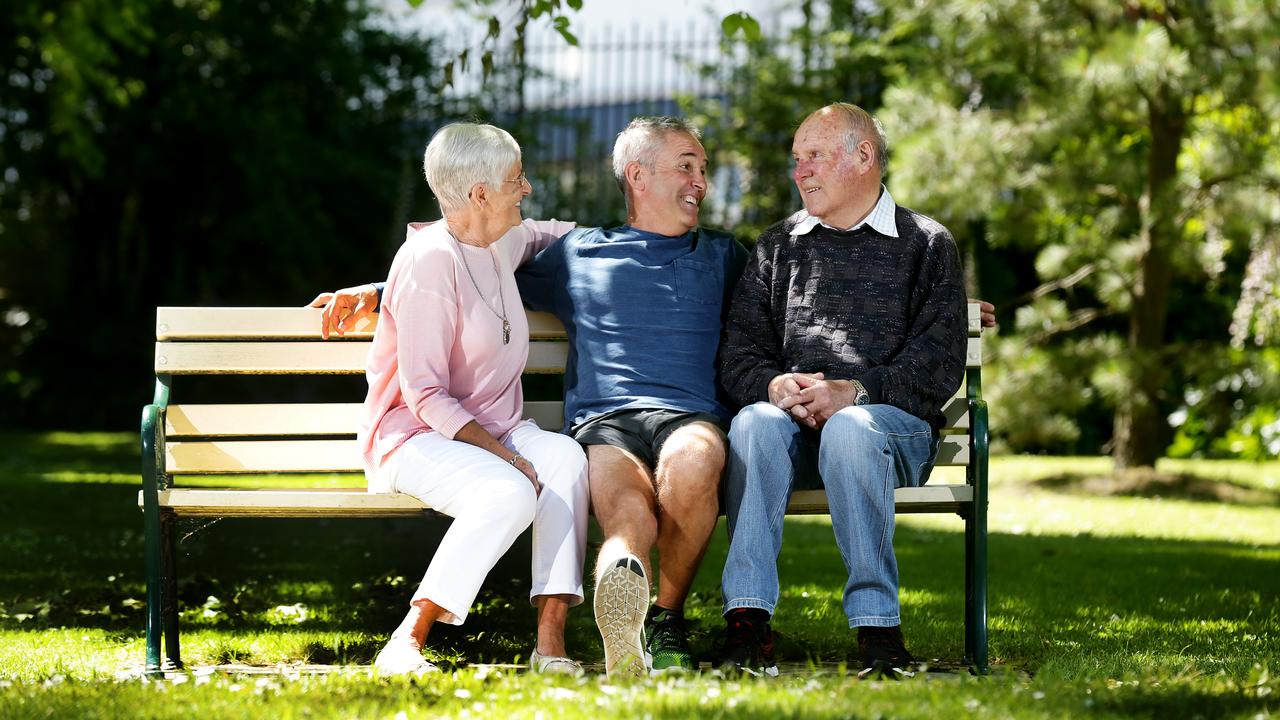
x,y
860,394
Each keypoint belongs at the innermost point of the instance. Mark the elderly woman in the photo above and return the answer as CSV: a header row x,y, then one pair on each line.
x,y
442,420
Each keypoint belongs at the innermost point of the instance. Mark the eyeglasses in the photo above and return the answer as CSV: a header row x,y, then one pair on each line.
x,y
520,179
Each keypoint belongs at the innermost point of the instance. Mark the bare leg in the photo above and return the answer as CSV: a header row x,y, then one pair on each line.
x,y
403,652
622,498
688,485
622,495
417,623
553,610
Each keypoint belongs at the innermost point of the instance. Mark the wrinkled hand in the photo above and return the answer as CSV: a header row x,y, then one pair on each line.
x,y
342,309
988,312
785,387
526,467
818,400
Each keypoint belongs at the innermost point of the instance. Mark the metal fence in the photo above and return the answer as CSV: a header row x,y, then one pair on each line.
x,y
566,105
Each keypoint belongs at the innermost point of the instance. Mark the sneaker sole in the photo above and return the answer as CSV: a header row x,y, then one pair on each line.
x,y
621,600
882,670
732,670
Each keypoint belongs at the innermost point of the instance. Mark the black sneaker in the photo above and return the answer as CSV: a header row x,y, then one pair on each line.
x,y
748,644
669,643
884,656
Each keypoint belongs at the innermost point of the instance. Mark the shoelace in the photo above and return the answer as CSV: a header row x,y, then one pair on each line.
x,y
669,630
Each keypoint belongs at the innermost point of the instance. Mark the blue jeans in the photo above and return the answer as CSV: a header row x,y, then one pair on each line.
x,y
862,454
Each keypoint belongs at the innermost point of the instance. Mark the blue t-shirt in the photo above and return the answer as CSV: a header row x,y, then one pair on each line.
x,y
643,313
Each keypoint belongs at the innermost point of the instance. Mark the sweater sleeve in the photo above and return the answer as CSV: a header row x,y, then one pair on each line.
x,y
751,353
541,278
422,299
928,368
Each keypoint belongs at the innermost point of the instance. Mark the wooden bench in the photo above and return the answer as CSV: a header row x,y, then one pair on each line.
x,y
256,438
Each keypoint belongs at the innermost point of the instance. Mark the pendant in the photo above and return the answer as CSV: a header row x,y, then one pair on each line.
x,y
506,332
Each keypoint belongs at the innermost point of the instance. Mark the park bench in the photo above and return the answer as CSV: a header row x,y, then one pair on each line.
x,y
182,440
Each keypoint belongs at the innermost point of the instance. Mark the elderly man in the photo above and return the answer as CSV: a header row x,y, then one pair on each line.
x,y
845,337
643,305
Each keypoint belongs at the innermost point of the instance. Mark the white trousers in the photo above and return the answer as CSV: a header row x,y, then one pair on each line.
x,y
491,503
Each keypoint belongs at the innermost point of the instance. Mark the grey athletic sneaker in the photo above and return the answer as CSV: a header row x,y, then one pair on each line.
x,y
621,600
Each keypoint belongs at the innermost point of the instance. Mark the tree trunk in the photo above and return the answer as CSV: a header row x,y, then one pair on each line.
x,y
1139,426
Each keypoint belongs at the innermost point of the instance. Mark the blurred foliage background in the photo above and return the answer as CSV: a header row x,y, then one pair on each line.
x,y
1110,170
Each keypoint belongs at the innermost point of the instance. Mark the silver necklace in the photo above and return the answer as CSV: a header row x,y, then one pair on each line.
x,y
506,326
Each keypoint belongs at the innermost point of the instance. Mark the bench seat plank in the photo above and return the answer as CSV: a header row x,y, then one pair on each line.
x,y
285,323
221,457
334,357
282,420
304,419
356,502
259,420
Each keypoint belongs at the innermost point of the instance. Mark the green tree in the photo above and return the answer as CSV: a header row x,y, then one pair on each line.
x,y
187,152
1127,142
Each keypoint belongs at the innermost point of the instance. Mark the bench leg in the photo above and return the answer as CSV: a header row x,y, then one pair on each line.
x,y
169,591
151,531
975,557
975,594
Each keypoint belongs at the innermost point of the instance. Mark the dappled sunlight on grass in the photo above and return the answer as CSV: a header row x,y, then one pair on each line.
x,y
1100,605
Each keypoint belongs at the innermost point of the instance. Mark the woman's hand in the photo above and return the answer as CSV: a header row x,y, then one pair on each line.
x,y
342,309
473,434
522,464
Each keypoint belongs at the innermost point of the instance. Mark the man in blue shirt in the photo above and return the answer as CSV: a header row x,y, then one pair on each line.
x,y
643,305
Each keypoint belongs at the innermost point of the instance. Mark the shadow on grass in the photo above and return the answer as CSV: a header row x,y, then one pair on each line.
x,y
1147,483
1095,599
73,558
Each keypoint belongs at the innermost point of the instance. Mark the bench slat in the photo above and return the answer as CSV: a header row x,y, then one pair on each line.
x,y
318,502
301,419
303,358
355,502
927,499
549,414
267,419
974,319
306,419
215,457
284,323
335,357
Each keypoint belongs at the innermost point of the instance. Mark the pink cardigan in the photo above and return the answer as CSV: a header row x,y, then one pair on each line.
x,y
437,361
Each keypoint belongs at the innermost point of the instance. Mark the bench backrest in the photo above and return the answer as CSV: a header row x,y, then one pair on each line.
x,y
207,439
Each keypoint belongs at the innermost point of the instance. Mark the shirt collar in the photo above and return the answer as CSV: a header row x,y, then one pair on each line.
x,y
881,218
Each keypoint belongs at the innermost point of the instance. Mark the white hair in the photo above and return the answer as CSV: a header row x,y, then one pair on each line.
x,y
862,125
640,142
462,155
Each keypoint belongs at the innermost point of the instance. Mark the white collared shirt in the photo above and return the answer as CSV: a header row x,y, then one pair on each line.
x,y
881,218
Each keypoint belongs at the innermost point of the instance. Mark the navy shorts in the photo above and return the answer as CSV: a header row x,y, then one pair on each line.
x,y
639,432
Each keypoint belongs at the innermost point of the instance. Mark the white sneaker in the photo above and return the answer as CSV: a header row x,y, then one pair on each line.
x,y
553,665
400,658
621,601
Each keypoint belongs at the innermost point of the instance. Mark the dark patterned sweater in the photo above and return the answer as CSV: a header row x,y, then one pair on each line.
x,y
855,305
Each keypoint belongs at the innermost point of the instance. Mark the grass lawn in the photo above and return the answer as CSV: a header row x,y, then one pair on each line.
x,y
1152,598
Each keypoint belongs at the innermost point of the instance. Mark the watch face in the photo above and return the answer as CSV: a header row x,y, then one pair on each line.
x,y
860,395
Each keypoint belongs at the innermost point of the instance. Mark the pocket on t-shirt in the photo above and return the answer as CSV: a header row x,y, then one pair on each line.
x,y
698,282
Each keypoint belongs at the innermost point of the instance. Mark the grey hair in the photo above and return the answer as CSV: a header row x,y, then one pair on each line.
x,y
640,142
462,155
862,126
